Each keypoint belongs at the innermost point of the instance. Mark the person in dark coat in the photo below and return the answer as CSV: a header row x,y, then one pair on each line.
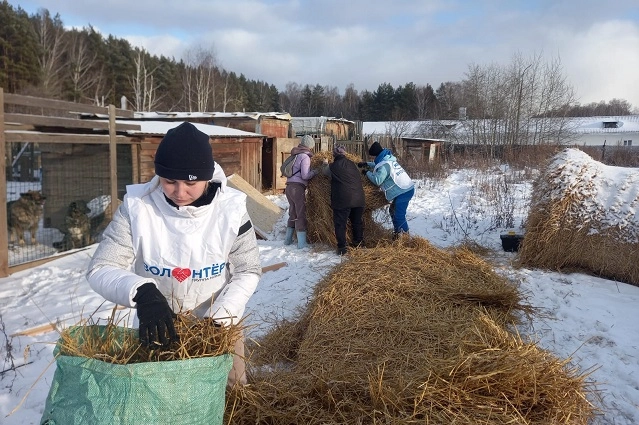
x,y
347,198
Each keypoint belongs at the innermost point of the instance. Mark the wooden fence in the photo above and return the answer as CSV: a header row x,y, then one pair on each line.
x,y
32,121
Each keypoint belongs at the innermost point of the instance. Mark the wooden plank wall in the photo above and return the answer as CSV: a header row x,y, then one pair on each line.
x,y
274,128
281,150
240,156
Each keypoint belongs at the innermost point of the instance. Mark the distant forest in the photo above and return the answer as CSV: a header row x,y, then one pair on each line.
x,y
39,57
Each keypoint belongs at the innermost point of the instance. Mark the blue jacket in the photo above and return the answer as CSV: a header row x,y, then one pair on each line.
x,y
382,175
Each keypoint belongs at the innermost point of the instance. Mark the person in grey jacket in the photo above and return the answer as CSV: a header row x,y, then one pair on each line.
x,y
181,242
296,191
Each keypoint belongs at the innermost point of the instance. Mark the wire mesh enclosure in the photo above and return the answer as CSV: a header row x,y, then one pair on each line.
x,y
63,164
58,196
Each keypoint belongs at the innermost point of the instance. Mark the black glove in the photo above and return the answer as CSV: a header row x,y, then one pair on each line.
x,y
155,315
364,171
362,164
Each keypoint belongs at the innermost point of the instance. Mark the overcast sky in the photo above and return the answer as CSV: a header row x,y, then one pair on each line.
x,y
370,42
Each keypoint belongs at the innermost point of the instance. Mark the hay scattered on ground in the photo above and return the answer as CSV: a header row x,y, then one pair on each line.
x,y
320,214
574,223
407,333
118,345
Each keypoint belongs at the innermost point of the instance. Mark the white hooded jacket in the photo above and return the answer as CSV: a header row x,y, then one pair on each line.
x,y
194,255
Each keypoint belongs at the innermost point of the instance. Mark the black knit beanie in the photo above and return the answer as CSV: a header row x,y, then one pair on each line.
x,y
375,149
185,154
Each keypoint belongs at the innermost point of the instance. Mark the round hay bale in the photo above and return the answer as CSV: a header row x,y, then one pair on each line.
x,y
583,216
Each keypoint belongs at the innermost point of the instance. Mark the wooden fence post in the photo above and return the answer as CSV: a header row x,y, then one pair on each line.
x,y
4,228
113,158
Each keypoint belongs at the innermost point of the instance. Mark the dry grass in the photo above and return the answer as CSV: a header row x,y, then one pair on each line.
x,y
568,228
320,215
406,333
118,345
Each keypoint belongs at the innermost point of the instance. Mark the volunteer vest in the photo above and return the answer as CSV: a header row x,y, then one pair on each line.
x,y
184,250
397,174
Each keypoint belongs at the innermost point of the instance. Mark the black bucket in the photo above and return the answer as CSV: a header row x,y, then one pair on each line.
x,y
510,241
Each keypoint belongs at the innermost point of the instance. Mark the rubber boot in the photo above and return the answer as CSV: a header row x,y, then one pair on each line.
x,y
301,240
289,235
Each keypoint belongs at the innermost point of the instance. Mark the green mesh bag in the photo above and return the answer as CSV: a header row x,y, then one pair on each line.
x,y
87,391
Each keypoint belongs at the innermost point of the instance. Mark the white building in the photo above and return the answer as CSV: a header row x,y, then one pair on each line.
x,y
586,131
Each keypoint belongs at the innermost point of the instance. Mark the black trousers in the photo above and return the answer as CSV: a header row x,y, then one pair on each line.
x,y
340,220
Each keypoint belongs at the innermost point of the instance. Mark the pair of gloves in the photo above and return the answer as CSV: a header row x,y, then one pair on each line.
x,y
363,166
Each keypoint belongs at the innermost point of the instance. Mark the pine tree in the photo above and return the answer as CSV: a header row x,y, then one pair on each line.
x,y
18,50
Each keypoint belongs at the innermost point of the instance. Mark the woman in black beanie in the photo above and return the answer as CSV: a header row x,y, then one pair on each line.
x,y
398,187
183,241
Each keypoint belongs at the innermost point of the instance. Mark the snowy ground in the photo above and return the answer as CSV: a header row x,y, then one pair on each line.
x,y
591,320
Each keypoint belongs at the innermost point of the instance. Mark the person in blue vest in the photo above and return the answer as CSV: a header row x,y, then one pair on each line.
x,y
386,173
181,242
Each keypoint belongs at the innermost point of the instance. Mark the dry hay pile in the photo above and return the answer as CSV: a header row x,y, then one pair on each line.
x,y
320,215
118,345
584,215
407,333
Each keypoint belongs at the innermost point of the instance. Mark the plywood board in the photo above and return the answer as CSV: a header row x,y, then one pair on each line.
x,y
264,213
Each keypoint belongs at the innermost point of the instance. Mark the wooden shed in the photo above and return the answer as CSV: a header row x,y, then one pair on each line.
x,y
274,128
422,149
270,124
338,128
238,152
277,145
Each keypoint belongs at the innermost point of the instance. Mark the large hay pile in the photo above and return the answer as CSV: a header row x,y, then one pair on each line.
x,y
584,215
320,215
407,333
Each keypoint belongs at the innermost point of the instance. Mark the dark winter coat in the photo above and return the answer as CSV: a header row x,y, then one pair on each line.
x,y
346,184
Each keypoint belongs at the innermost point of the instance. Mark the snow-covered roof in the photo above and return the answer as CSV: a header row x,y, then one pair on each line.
x,y
250,115
624,124
405,128
580,125
160,128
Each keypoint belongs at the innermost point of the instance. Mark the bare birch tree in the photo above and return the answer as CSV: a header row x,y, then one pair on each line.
x,y
516,104
332,101
50,33
227,98
80,65
351,101
291,98
199,79
143,84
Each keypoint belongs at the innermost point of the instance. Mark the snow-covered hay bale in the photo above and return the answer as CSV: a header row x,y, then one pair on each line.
x,y
407,333
584,215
